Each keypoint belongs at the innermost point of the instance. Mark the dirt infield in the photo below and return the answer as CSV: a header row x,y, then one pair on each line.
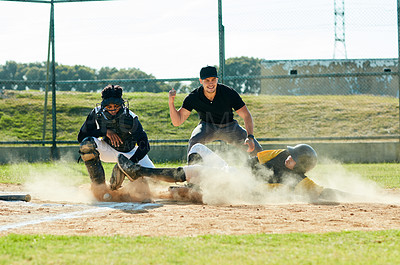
x,y
172,218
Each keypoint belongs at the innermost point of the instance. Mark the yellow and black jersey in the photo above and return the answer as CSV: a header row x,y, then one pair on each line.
x,y
267,155
275,160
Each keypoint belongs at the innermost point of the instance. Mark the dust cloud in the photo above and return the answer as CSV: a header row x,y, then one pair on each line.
x,y
57,183
227,181
335,176
60,183
230,181
136,191
235,184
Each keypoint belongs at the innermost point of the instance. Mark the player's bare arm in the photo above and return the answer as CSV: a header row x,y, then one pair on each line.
x,y
177,116
114,138
244,113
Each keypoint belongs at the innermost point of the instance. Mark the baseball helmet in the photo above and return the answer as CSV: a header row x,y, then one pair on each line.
x,y
304,156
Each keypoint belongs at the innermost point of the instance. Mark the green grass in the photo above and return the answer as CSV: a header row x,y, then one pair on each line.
x,y
369,248
21,115
387,175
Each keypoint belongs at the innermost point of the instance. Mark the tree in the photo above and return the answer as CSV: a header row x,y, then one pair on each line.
x,y
77,72
243,67
35,73
133,79
106,73
13,71
145,82
10,70
84,73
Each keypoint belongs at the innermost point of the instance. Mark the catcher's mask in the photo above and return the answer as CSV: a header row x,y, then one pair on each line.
x,y
304,156
112,94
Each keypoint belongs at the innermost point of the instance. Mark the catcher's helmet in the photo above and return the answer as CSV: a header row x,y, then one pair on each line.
x,y
112,94
304,156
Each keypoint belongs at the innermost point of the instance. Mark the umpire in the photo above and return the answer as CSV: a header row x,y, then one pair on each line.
x,y
215,103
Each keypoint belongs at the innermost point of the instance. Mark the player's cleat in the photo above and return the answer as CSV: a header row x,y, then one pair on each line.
x,y
117,178
129,168
188,192
179,192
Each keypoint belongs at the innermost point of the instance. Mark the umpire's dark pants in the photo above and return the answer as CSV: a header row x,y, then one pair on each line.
x,y
231,133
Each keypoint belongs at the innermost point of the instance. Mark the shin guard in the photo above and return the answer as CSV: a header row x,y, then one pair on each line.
x,y
134,171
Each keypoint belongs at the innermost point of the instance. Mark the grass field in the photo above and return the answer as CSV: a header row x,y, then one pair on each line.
x,y
21,115
369,248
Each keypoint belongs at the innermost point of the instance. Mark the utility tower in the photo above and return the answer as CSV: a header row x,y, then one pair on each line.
x,y
340,39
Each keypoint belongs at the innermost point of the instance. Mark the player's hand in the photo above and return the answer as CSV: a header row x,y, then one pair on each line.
x,y
250,143
172,94
114,138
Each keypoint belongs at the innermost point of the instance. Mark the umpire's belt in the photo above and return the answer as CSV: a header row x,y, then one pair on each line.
x,y
223,125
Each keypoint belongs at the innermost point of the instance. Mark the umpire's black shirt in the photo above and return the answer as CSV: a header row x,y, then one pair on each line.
x,y
218,111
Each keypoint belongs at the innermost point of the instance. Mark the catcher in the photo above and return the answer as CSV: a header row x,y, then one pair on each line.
x,y
109,130
276,168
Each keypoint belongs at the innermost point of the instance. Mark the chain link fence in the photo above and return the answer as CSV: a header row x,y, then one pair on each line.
x,y
281,52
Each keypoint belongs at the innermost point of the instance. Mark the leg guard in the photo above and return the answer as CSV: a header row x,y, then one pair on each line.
x,y
96,171
134,171
87,149
91,157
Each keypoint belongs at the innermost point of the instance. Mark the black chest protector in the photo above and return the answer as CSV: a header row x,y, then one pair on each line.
x,y
123,124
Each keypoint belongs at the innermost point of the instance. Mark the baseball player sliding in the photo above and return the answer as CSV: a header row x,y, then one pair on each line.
x,y
276,168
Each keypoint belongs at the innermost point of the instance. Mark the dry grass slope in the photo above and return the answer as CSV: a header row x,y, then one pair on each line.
x,y
22,112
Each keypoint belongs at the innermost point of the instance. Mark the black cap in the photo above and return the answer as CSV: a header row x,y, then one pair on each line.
x,y
208,71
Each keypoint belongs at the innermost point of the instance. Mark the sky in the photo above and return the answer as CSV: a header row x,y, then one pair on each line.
x,y
175,38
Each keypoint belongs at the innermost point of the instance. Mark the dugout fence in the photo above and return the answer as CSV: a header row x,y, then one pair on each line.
x,y
369,83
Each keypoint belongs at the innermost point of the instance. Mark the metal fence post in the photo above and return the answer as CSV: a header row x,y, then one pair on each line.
x,y
46,93
221,31
398,66
54,151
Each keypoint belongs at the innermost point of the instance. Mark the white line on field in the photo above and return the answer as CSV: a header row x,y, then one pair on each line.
x,y
77,214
